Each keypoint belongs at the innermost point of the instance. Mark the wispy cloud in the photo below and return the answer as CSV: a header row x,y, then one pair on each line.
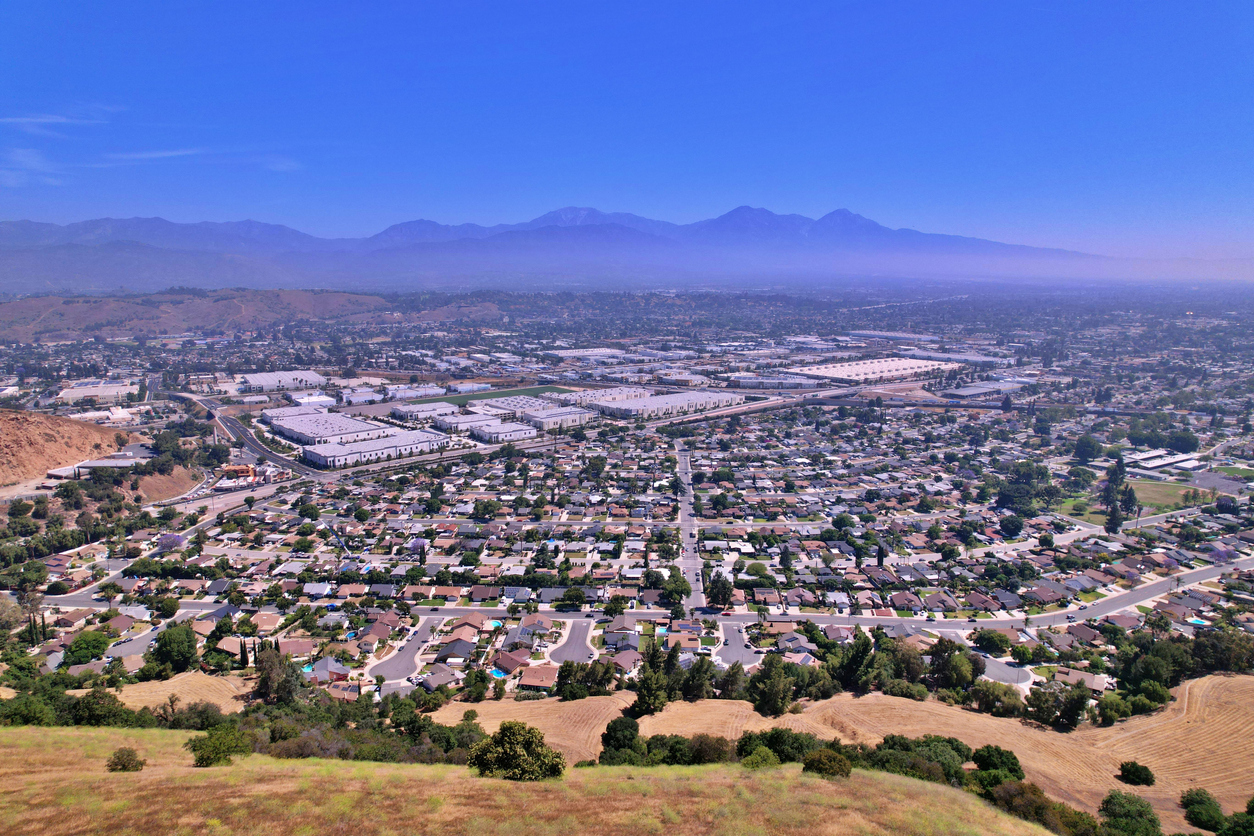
x,y
45,124
21,166
143,156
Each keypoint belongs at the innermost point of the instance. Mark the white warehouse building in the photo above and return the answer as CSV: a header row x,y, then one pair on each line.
x,y
412,443
328,428
663,406
278,381
558,417
423,411
462,423
499,433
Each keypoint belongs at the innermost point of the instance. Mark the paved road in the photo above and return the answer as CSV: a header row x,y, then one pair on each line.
x,y
404,662
576,648
689,560
736,651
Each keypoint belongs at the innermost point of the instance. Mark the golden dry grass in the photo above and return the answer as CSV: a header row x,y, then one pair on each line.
x,y
157,487
573,728
1205,738
226,692
54,781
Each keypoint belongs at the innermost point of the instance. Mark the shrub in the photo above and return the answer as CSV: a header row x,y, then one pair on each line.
x,y
902,688
516,752
1126,814
217,747
826,763
994,757
761,758
125,759
1131,772
707,748
1202,810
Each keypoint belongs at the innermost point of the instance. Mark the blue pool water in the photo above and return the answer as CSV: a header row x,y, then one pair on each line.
x,y
308,667
661,631
498,674
494,623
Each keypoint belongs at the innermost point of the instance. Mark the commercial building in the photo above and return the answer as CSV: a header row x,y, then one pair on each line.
x,y
960,357
400,393
101,391
589,396
423,411
872,371
468,388
895,336
510,407
279,413
558,417
663,406
585,353
278,381
462,423
787,381
329,428
411,443
499,433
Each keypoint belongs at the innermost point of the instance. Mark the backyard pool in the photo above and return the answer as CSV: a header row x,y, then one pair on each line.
x,y
498,674
494,624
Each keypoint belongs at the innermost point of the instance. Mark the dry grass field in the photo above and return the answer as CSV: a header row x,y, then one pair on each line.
x,y
226,692
157,487
54,781
573,728
1205,738
32,444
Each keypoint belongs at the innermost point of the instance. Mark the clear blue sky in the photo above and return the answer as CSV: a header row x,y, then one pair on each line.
x,y
1121,128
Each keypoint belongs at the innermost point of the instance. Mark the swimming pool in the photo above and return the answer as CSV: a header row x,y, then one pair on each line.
x,y
496,674
494,624
661,631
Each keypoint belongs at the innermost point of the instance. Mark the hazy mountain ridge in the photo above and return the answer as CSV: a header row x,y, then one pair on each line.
x,y
570,246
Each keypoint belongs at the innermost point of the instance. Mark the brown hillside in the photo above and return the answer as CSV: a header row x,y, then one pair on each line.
x,y
53,780
1204,738
32,444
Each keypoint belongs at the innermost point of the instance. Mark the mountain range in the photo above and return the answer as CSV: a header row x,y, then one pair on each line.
x,y
567,248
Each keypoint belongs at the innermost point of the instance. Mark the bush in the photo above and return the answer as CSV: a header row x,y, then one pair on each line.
x,y
1131,772
1126,814
826,763
1202,810
994,757
125,759
761,758
902,688
217,747
516,752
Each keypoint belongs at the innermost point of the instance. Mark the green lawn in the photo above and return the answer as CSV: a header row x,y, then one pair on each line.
x,y
1091,596
1159,495
1092,515
1239,472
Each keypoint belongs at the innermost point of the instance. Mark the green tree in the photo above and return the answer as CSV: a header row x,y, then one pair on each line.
x,y
279,678
1087,448
1126,814
516,752
771,688
1201,809
309,511
218,746
652,692
176,647
87,645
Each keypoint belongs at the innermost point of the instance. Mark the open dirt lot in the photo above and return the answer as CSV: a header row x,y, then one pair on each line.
x,y
54,781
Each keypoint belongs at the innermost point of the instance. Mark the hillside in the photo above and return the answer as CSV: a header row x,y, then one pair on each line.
x,y
54,781
1203,738
32,444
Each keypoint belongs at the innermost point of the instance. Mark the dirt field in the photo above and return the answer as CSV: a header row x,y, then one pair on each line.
x,y
1205,738
574,728
32,444
157,487
227,693
54,781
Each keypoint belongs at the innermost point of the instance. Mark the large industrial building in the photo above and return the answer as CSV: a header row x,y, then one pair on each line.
x,y
509,407
423,411
663,406
279,381
462,423
279,413
498,433
411,443
558,417
328,428
877,370
101,391
590,396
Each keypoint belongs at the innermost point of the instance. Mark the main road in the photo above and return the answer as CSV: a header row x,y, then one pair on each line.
x,y
689,561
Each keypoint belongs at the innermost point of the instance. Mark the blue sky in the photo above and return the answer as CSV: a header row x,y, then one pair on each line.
x,y
1120,128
